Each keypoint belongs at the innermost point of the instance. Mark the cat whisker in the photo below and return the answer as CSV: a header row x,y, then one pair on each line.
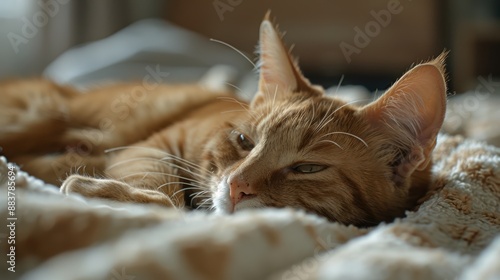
x,y
235,49
205,201
231,111
77,169
340,83
274,97
243,105
348,134
327,115
313,113
167,155
234,86
321,125
201,184
330,141
185,189
234,100
156,151
375,97
323,120
200,194
185,169
99,174
270,108
187,162
349,103
171,164
203,195
330,116
128,161
168,184
110,150
238,89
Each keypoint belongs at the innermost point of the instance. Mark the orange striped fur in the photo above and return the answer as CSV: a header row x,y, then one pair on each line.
x,y
187,146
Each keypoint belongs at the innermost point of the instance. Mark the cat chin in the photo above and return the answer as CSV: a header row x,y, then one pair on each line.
x,y
248,204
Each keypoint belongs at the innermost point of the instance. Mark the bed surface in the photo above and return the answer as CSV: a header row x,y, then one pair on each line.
x,y
454,234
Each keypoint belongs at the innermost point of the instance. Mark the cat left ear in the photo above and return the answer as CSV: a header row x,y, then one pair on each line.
x,y
412,111
278,72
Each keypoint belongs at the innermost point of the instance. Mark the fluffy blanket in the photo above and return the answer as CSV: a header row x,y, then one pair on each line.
x,y
454,234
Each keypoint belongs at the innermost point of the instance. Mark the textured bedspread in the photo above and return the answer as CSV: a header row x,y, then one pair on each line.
x,y
455,234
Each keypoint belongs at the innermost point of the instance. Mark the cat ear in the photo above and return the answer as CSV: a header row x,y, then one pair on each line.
x,y
412,112
278,72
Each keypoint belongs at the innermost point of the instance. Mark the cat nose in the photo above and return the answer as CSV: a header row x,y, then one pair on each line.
x,y
240,189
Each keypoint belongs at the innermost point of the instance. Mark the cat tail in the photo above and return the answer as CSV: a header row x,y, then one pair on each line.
x,y
34,114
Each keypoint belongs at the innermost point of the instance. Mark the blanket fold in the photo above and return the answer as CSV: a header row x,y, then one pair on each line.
x,y
454,234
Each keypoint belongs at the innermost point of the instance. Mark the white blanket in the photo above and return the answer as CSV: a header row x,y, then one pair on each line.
x,y
455,234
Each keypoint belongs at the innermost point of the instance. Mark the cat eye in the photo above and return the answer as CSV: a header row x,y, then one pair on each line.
x,y
244,142
309,168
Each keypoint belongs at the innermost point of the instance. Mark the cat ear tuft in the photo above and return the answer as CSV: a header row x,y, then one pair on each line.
x,y
412,112
439,62
276,69
279,73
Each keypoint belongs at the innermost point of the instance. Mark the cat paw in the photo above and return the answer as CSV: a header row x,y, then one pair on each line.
x,y
112,190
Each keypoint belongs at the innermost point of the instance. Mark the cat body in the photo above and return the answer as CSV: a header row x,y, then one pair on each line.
x,y
188,146
77,129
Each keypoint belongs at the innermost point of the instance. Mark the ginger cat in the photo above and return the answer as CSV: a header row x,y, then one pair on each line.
x,y
186,146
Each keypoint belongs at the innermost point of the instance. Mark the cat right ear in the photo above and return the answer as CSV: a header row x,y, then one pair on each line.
x,y
412,112
279,74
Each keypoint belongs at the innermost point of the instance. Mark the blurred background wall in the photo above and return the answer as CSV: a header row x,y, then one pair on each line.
x,y
35,32
367,42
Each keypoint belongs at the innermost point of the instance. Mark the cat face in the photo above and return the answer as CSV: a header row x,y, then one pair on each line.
x,y
299,148
298,153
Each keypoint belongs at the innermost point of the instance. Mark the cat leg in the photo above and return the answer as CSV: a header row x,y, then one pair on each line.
x,y
140,173
54,168
113,190
150,171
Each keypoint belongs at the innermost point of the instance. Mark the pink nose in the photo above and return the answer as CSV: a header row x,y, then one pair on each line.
x,y
240,189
